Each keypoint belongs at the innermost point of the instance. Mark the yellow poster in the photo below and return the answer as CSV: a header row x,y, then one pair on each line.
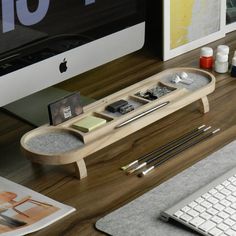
x,y
193,19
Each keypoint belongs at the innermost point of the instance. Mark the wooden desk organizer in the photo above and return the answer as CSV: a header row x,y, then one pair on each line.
x,y
57,145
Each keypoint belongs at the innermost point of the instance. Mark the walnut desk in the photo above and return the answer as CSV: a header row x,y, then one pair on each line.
x,y
107,188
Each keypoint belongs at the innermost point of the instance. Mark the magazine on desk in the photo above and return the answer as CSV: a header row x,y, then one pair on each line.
x,y
23,211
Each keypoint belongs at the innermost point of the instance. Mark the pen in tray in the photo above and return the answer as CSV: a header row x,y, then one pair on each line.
x,y
159,106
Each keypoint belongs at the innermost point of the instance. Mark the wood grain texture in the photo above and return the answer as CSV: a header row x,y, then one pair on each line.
x,y
106,188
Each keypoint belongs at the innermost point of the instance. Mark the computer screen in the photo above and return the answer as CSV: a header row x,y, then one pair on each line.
x,y
43,42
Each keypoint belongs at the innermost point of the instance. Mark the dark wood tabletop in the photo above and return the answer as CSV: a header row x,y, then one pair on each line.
x,y
107,188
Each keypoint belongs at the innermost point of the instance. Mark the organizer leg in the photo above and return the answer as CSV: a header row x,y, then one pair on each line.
x,y
205,105
80,169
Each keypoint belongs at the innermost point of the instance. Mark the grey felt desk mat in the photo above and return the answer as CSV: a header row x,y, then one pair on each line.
x,y
141,216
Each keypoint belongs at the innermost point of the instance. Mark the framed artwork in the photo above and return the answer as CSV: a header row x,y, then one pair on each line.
x,y
189,24
230,15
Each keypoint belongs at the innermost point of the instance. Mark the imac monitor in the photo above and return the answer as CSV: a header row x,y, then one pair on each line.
x,y
44,42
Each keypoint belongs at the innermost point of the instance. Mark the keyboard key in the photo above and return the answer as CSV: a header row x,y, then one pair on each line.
x,y
219,187
223,215
229,210
206,226
196,221
178,213
213,191
206,204
226,192
233,217
193,213
219,196
185,209
216,219
226,183
232,179
192,204
206,195
231,198
206,216
212,200
219,207
231,188
229,222
230,232
199,200
234,227
212,211
233,206
186,217
222,226
215,232
225,202
200,209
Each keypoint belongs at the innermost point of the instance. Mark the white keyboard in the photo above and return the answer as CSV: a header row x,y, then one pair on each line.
x,y
211,210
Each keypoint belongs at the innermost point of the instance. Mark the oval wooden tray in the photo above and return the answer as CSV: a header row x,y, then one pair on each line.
x,y
90,142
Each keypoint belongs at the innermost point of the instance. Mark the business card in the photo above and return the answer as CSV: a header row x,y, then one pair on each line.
x,y
65,109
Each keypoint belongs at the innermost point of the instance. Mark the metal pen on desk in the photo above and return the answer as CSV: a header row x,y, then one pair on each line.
x,y
142,114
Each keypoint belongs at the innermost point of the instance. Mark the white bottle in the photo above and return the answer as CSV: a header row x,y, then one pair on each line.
x,y
234,54
223,49
221,63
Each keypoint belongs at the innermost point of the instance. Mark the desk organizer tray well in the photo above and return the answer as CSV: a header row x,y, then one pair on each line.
x,y
62,144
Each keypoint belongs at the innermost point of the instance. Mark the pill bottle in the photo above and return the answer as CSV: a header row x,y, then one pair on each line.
x,y
221,63
223,49
206,58
233,67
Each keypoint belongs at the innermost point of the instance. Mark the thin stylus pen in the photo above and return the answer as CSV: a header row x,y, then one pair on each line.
x,y
142,114
167,151
143,173
159,149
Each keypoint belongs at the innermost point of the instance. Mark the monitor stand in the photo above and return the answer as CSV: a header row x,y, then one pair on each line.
x,y
33,108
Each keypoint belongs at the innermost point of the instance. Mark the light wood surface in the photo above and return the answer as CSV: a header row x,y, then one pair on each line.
x,y
107,187
205,105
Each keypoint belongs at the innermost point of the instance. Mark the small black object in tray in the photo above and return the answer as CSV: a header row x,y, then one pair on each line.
x,y
154,93
115,106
